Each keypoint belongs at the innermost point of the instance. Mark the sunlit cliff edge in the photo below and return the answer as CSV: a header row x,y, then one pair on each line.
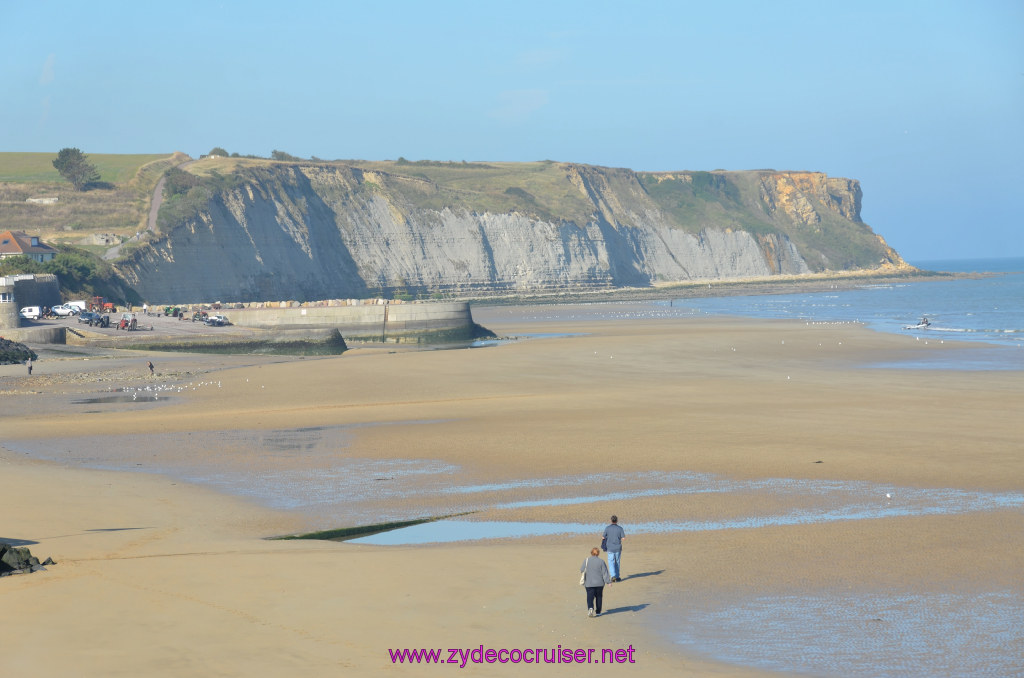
x,y
318,230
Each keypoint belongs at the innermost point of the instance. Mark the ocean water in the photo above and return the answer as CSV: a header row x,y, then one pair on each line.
x,y
987,309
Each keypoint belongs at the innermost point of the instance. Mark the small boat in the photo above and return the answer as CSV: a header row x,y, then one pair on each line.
x,y
922,324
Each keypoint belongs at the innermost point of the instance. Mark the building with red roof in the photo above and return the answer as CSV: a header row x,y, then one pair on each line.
x,y
18,244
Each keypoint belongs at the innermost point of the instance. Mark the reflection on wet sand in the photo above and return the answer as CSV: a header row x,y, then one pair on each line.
x,y
308,470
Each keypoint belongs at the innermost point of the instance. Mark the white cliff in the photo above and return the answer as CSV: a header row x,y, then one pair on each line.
x,y
309,231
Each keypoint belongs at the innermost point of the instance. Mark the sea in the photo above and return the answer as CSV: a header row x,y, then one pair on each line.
x,y
987,309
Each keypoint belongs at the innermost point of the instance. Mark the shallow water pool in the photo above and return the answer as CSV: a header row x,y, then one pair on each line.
x,y
863,635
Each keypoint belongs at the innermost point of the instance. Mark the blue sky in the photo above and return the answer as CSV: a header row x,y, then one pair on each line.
x,y
923,102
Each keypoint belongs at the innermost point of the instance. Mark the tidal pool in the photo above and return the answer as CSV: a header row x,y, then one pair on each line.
x,y
915,502
863,635
120,398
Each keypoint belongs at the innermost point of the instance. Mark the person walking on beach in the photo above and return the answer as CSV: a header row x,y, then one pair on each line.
x,y
595,576
150,366
28,364
613,536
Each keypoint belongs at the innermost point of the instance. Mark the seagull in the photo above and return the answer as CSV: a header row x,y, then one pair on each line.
x,y
888,495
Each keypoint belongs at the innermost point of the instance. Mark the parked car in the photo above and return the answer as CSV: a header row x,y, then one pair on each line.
x,y
31,312
90,317
217,321
64,310
80,305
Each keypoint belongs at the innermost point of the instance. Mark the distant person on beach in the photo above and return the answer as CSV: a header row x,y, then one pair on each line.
x,y
595,576
150,366
613,535
28,363
145,308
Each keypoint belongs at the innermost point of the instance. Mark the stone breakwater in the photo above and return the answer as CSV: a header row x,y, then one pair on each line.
x,y
306,341
367,321
323,327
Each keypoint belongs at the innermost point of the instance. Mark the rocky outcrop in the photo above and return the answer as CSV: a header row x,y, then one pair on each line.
x,y
791,192
14,352
315,231
19,560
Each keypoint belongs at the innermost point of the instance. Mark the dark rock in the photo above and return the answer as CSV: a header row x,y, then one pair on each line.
x,y
18,560
49,561
15,353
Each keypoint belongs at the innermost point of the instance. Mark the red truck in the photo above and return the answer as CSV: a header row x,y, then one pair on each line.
x,y
101,305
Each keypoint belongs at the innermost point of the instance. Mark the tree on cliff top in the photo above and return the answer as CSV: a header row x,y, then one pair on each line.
x,y
74,166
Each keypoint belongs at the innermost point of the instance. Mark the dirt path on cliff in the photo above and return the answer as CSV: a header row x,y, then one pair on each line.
x,y
154,209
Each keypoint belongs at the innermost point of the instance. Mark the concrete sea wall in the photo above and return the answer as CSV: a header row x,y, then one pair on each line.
x,y
18,291
306,341
367,322
9,317
37,335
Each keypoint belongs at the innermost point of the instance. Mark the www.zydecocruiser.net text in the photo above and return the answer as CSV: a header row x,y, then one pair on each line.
x,y
462,657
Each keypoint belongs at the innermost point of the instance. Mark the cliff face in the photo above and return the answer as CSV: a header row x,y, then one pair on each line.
x,y
313,231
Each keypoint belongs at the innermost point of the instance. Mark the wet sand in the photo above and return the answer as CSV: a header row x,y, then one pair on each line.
x,y
161,576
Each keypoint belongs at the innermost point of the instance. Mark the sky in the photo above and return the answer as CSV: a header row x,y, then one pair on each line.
x,y
922,102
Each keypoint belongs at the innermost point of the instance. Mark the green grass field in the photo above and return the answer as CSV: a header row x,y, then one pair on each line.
x,y
119,205
38,167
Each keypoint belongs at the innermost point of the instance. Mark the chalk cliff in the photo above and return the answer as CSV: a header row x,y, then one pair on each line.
x,y
331,230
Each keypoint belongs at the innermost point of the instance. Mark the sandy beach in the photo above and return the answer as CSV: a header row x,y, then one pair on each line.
x,y
161,574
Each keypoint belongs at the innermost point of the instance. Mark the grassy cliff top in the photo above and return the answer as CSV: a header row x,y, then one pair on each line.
x,y
38,167
546,189
118,205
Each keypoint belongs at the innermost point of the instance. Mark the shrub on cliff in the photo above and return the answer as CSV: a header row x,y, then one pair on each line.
x,y
80,274
178,182
186,195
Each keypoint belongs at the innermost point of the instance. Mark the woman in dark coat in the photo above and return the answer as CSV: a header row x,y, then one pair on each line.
x,y
594,578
